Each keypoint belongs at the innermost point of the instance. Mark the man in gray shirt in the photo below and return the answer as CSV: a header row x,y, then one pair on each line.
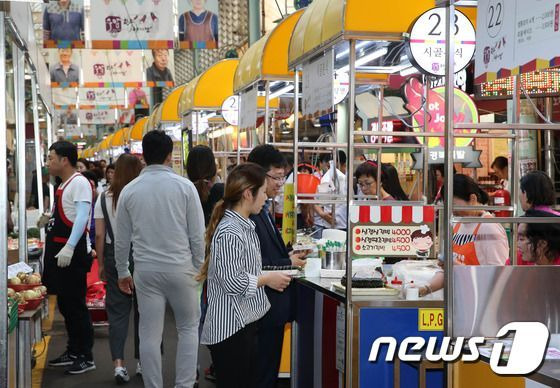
x,y
160,214
65,71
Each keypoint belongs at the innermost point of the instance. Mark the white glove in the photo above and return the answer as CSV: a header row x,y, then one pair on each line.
x,y
65,256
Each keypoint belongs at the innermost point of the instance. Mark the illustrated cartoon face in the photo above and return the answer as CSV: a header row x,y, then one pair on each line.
x,y
422,243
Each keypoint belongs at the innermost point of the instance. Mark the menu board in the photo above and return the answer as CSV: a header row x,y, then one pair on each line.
x,y
393,231
248,109
516,36
134,24
318,86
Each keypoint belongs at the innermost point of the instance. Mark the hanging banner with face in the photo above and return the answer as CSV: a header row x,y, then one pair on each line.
x,y
159,68
75,132
198,24
63,24
138,98
132,24
64,98
65,117
102,98
112,68
126,116
64,68
97,116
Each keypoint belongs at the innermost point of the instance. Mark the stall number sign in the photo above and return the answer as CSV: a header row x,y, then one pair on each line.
x,y
430,319
427,42
393,240
230,110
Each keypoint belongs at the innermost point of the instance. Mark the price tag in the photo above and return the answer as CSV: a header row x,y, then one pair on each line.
x,y
430,319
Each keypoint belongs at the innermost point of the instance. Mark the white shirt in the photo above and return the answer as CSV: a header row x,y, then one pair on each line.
x,y
340,209
76,189
98,214
279,199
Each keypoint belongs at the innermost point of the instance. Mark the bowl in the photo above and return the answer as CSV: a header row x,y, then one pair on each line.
x,y
23,287
32,304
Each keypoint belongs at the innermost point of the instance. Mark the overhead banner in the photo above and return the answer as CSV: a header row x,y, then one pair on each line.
x,y
64,98
318,86
198,24
64,68
63,24
97,116
102,98
248,109
132,24
159,68
516,36
112,68
65,118
138,98
76,132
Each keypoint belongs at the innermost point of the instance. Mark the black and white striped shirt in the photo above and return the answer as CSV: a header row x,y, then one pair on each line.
x,y
234,300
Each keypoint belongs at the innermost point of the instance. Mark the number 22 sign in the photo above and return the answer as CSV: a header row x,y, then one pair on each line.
x,y
427,42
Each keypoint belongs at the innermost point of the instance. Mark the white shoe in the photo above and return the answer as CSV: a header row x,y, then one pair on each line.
x,y
121,375
139,368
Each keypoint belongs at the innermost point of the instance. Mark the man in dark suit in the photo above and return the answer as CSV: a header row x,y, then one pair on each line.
x,y
274,253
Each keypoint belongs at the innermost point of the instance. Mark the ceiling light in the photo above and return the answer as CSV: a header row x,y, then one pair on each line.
x,y
365,59
408,71
345,53
279,92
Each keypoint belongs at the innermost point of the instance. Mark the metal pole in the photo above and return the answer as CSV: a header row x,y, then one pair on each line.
x,y
296,140
266,110
379,139
448,199
516,113
254,9
549,142
349,197
19,87
426,174
3,212
38,155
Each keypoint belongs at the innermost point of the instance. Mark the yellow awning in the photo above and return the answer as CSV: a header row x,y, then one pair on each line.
x,y
209,89
325,21
106,142
118,138
137,131
267,58
169,111
153,119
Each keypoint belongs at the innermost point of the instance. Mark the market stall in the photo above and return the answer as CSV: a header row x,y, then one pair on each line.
x,y
116,146
134,137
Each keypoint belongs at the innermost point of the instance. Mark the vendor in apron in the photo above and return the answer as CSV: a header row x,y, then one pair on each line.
x,y
473,244
68,258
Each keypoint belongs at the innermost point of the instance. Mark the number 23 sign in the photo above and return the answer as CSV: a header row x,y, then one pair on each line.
x,y
427,42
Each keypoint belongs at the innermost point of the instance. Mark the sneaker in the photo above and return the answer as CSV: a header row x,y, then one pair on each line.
x,y
66,359
121,375
80,365
209,373
139,369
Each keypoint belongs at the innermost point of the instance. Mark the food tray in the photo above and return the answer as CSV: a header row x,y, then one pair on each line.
x,y
304,247
386,291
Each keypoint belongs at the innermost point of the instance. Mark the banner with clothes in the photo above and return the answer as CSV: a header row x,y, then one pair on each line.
x,y
198,24
112,68
63,24
132,24
98,116
102,98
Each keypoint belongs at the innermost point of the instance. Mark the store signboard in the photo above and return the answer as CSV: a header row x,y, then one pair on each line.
x,y
230,110
318,85
427,41
248,109
132,25
393,231
467,156
465,112
516,36
102,97
97,116
112,68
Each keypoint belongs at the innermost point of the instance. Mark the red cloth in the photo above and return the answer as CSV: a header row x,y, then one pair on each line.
x,y
95,294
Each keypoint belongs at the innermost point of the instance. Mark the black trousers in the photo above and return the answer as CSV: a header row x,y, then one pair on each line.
x,y
271,337
235,359
72,305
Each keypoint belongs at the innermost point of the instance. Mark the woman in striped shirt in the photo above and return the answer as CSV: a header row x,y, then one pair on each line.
x,y
236,297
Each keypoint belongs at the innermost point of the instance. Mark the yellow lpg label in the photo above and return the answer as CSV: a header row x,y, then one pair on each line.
x,y
430,319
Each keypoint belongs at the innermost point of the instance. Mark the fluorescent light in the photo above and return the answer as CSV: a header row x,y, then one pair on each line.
x,y
408,71
365,59
209,116
279,92
345,53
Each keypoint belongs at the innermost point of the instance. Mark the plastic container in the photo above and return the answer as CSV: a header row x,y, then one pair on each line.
x,y
333,260
307,183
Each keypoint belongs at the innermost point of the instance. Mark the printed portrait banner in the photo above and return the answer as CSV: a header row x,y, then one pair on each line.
x,y
63,25
159,68
97,116
198,24
102,98
64,118
112,68
65,67
64,98
132,24
138,98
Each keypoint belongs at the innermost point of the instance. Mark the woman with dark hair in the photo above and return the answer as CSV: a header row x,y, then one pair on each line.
x,y
390,190
82,165
537,192
539,243
500,167
233,268
118,304
201,170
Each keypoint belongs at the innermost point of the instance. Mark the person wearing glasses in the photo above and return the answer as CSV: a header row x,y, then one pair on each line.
x,y
274,253
390,189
